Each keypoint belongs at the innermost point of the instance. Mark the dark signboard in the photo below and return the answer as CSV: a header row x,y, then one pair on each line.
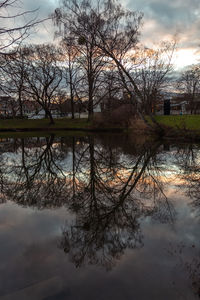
x,y
166,107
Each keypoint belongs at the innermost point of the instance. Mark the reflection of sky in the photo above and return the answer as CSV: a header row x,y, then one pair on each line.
x,y
13,159
33,266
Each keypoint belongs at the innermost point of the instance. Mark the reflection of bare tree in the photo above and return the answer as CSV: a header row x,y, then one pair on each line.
x,y
188,160
38,178
112,194
107,188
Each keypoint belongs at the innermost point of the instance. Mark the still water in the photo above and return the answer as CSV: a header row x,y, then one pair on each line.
x,y
99,217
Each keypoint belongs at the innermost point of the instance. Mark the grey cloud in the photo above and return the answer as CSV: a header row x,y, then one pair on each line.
x,y
168,15
43,32
45,7
165,18
161,19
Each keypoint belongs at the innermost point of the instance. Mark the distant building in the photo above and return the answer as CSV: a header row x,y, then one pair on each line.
x,y
179,104
8,106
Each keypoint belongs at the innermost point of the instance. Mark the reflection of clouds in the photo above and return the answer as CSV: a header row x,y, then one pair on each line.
x,y
28,251
37,262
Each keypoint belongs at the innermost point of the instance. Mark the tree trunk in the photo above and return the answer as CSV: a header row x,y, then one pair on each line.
x,y
90,101
49,115
71,95
90,87
20,103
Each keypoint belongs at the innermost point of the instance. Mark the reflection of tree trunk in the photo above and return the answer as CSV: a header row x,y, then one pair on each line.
x,y
92,167
128,189
46,155
24,163
73,167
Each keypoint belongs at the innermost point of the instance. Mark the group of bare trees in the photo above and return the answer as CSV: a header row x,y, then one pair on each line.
x,y
33,73
26,71
99,44
105,35
98,58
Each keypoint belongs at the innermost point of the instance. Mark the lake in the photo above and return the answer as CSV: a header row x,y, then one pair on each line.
x,y
99,217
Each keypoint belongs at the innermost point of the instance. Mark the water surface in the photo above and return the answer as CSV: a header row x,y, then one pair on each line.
x,y
99,217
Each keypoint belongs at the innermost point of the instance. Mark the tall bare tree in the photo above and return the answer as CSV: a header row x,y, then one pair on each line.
x,y
77,18
72,74
43,76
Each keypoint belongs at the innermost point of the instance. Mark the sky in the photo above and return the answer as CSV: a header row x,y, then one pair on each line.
x,y
163,19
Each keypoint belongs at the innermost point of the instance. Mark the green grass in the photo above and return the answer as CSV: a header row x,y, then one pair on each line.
x,y
44,124
189,122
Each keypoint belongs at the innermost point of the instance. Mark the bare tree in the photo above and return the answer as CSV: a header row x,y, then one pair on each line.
x,y
111,90
143,73
151,73
78,19
189,85
11,14
43,76
14,68
72,68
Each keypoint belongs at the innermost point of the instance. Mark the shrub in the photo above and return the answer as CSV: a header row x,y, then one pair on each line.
x,y
120,117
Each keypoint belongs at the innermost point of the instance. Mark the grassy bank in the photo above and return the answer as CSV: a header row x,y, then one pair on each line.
x,y
180,127
185,125
184,122
64,124
44,124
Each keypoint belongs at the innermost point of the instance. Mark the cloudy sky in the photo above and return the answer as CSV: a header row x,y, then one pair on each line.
x,y
162,19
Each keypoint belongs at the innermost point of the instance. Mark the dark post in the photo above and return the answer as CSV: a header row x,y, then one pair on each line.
x,y
167,107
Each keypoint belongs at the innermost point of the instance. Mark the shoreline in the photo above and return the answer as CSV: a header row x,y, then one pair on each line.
x,y
178,135
171,128
40,129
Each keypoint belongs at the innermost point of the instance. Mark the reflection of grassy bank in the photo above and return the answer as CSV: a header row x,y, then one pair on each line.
x,y
126,139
